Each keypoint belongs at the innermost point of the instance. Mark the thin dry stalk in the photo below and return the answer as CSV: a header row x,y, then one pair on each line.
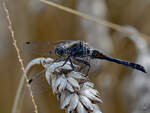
x,y
96,20
19,96
19,58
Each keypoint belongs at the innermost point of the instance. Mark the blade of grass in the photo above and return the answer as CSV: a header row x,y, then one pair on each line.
x,y
19,59
19,96
96,20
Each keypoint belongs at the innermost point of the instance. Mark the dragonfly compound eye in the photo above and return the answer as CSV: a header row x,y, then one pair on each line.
x,y
60,50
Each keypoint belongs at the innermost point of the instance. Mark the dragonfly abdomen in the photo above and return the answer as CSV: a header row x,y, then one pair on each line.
x,y
126,63
98,55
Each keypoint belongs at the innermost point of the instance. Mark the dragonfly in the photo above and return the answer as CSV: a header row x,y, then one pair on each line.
x,y
79,51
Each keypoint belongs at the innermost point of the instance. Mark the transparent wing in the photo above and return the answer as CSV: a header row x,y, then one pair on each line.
x,y
41,48
94,63
39,84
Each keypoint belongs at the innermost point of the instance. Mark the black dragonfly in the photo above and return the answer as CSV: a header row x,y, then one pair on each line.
x,y
68,50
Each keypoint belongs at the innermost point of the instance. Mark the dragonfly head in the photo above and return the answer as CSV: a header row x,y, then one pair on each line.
x,y
60,51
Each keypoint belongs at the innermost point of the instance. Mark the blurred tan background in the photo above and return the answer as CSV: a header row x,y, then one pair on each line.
x,y
122,89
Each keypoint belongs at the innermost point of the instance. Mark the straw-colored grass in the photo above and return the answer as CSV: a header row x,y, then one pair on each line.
x,y
20,61
96,20
80,14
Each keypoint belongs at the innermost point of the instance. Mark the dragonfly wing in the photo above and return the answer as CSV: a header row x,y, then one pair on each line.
x,y
42,48
94,63
39,85
39,48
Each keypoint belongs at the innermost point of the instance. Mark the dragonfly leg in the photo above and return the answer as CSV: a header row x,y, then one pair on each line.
x,y
67,59
82,68
72,66
85,63
59,59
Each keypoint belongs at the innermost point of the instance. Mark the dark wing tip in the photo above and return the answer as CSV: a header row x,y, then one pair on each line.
x,y
30,81
28,42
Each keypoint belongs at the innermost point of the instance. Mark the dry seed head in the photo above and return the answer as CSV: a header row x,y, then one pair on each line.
x,y
74,91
